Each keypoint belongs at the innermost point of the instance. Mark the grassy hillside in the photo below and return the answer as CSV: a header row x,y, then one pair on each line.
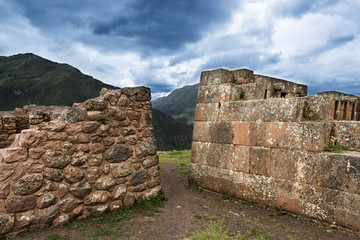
x,y
179,104
30,79
171,134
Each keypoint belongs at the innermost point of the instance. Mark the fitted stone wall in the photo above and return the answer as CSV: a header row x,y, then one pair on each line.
x,y
68,162
271,150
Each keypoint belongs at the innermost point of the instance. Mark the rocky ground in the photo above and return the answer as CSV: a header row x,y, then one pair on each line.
x,y
191,213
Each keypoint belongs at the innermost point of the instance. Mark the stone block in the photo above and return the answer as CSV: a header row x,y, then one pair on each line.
x,y
241,133
4,190
95,116
80,190
104,183
224,93
201,132
53,174
96,197
20,204
46,200
118,153
55,159
284,135
90,127
14,154
24,219
348,134
207,94
288,196
221,132
284,162
215,77
73,174
259,188
219,155
7,222
6,172
199,151
241,159
257,133
201,112
260,161
347,211
31,138
140,177
28,184
283,110
316,136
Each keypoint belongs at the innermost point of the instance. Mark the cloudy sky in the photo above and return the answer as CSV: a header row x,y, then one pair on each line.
x,y
165,44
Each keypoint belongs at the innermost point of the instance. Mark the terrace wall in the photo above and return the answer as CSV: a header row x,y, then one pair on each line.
x,y
271,150
68,162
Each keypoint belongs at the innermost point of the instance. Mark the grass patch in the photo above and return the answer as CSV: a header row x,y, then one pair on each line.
x,y
181,160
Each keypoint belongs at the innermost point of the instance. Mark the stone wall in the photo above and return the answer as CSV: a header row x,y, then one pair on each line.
x,y
68,162
271,150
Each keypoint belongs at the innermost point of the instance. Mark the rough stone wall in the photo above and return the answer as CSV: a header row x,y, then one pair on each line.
x,y
72,161
271,150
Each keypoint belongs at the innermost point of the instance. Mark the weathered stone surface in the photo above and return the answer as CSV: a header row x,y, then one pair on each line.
x,y
6,223
96,197
147,148
97,148
81,190
151,161
115,205
260,161
95,115
121,170
140,177
28,184
93,173
20,204
31,138
4,189
53,174
129,199
95,104
73,174
46,200
79,159
127,131
62,190
36,153
55,159
104,183
24,219
80,138
95,159
68,204
241,159
119,192
75,114
153,193
14,154
47,215
6,172
118,153
90,127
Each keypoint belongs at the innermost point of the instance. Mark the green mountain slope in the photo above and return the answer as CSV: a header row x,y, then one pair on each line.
x,y
30,79
171,134
179,104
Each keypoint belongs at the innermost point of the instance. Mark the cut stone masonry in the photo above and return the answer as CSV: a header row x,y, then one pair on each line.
x,y
263,139
59,163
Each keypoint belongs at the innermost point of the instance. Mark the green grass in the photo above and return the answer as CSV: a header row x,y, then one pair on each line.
x,y
181,161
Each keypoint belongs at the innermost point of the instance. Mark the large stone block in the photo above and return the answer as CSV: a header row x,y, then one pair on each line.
x,y
207,94
221,132
241,159
257,133
31,138
215,77
288,196
20,204
201,132
241,133
283,110
218,155
348,134
347,210
284,162
315,136
284,135
260,161
224,93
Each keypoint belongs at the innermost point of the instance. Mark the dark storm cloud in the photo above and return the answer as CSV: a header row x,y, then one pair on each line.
x,y
164,24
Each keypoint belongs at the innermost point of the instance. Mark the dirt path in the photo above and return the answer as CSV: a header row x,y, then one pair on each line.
x,y
187,211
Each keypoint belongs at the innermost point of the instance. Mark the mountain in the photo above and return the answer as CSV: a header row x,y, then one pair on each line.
x,y
29,79
179,104
171,134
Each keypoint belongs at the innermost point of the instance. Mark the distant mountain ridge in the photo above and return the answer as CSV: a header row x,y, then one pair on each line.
x,y
179,104
30,79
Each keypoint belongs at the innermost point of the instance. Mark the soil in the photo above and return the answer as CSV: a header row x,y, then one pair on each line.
x,y
188,211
